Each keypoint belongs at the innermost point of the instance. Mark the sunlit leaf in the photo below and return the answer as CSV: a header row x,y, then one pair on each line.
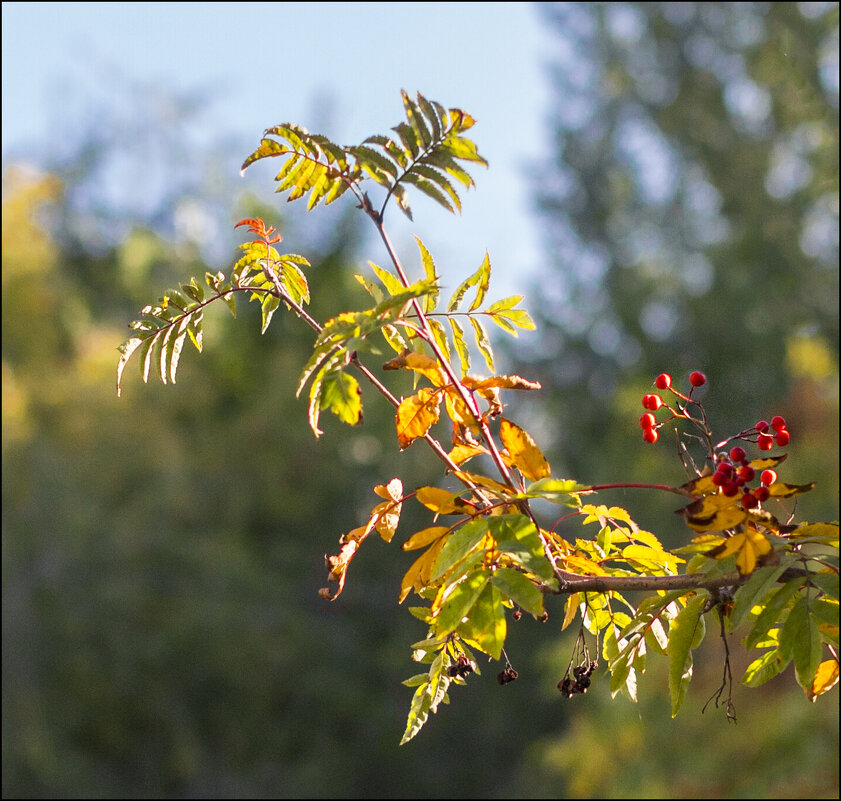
x,y
522,451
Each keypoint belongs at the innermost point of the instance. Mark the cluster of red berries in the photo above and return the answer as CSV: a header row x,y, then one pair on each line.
x,y
733,474
766,439
652,402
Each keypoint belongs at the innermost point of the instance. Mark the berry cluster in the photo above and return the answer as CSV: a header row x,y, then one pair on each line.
x,y
766,439
653,402
733,474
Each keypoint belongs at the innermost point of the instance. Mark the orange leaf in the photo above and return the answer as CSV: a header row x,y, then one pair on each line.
x,y
416,415
826,677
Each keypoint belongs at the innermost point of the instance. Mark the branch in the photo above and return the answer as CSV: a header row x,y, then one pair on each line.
x,y
575,582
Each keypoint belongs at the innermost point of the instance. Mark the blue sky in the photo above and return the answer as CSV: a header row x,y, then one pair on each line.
x,y
266,63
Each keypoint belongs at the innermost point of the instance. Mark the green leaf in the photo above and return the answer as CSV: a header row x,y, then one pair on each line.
x,y
483,342
515,534
562,491
774,602
485,625
683,632
428,262
458,545
460,345
760,581
517,588
765,667
340,394
799,639
459,602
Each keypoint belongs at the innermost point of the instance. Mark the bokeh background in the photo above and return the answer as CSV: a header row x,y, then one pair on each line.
x,y
663,190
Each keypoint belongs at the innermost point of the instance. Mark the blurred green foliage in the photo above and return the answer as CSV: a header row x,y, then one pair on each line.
x,y
691,214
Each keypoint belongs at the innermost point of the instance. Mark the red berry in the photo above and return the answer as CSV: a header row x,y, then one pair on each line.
x,y
697,379
730,489
737,454
749,500
762,494
778,422
747,473
782,437
650,435
653,402
765,442
663,381
768,477
762,426
648,420
719,478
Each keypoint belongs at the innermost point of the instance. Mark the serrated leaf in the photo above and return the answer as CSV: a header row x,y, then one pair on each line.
x,y
340,394
483,342
460,345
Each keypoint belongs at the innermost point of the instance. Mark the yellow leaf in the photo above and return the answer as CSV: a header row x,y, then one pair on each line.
x,y
386,516
714,513
500,382
826,677
416,415
571,609
826,532
483,481
418,575
747,546
441,501
422,538
458,410
420,363
463,452
523,453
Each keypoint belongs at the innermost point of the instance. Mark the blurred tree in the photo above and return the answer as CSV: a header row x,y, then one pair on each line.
x,y
691,213
691,210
